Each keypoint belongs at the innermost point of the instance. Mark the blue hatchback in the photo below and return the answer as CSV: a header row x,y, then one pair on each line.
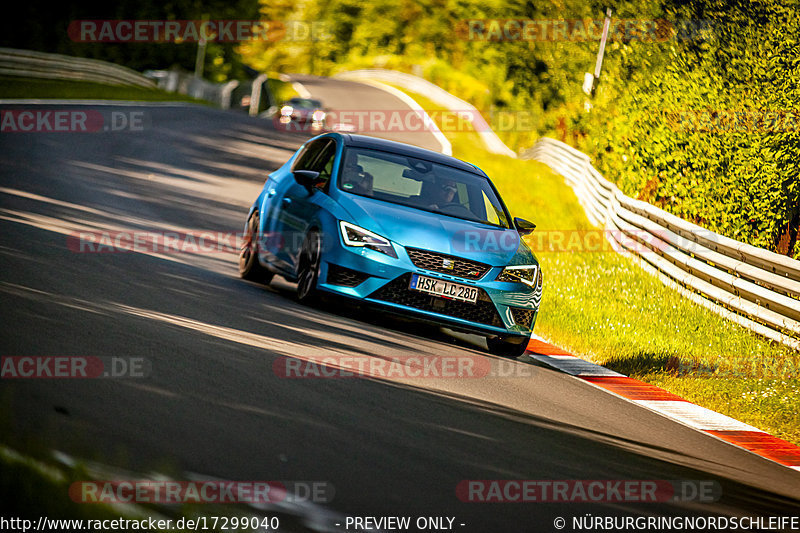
x,y
411,230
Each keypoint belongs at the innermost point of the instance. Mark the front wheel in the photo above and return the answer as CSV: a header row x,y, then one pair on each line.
x,y
249,267
308,268
506,348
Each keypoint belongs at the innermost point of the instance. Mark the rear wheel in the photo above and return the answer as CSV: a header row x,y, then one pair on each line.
x,y
249,267
507,348
308,268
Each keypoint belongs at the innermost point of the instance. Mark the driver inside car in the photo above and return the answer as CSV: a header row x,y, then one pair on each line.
x,y
356,180
443,193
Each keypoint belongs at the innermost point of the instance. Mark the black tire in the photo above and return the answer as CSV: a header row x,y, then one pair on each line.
x,y
505,348
249,267
308,268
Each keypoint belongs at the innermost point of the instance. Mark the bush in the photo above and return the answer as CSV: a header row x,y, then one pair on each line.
x,y
713,135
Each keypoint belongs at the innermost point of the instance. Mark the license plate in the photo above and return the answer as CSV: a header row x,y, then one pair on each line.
x,y
444,289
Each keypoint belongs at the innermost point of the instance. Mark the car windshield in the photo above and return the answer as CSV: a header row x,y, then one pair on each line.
x,y
422,185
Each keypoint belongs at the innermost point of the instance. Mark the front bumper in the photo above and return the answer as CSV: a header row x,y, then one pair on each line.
x,y
503,308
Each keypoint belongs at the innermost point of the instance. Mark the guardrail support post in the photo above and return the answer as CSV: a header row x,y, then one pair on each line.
x,y
225,94
255,94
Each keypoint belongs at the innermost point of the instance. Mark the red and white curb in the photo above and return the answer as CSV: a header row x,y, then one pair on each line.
x,y
668,404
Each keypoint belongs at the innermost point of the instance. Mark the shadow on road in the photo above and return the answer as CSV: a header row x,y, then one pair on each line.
x,y
213,403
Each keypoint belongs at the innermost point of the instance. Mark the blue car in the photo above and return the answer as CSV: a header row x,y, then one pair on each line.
x,y
410,230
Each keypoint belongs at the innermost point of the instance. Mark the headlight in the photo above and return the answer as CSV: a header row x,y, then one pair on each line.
x,y
286,110
356,236
318,115
530,275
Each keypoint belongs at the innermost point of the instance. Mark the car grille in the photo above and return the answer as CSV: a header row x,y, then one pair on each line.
x,y
339,275
523,317
397,292
463,268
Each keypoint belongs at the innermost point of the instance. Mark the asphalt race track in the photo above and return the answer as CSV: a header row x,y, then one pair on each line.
x,y
212,403
345,98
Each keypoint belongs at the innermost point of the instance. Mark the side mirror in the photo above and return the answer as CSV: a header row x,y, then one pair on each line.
x,y
306,178
523,226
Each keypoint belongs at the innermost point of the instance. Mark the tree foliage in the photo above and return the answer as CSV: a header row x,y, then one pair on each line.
x,y
41,25
712,134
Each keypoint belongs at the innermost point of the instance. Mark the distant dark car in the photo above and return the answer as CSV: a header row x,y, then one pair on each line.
x,y
303,111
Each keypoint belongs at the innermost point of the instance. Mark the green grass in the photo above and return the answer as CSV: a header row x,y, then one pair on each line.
x,y
14,87
602,306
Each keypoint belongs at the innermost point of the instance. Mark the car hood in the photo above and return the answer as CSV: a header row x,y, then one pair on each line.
x,y
414,228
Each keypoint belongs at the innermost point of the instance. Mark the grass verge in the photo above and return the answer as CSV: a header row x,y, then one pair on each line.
x,y
602,306
14,87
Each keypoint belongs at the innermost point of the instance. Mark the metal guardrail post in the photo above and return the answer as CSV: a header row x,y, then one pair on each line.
x,y
255,94
225,94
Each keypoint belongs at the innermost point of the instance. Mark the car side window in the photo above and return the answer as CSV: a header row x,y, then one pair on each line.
x,y
305,160
319,157
324,165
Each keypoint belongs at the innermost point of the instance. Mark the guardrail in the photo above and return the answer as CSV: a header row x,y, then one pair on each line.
x,y
30,64
182,82
754,287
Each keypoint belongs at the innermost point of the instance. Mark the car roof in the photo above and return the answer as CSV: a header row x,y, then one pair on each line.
x,y
365,141
301,99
